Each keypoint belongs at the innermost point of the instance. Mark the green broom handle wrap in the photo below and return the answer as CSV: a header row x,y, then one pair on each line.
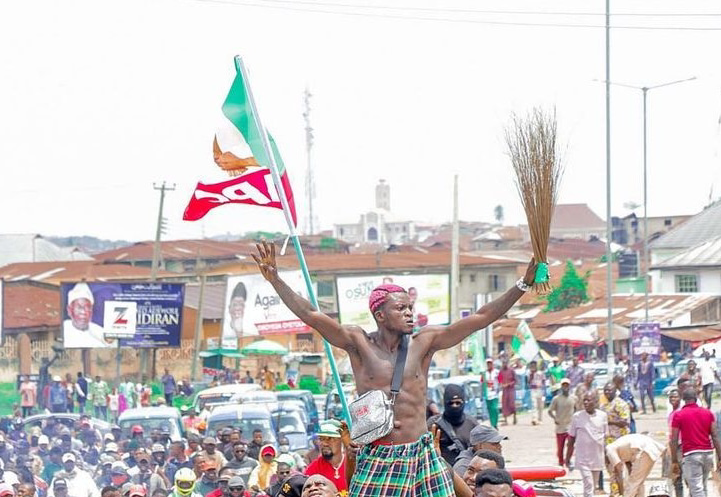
x,y
542,273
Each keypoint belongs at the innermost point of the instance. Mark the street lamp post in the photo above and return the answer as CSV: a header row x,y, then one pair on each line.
x,y
646,258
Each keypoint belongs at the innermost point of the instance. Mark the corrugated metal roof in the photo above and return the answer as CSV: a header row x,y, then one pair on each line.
x,y
575,216
34,248
702,227
707,253
30,306
57,272
628,309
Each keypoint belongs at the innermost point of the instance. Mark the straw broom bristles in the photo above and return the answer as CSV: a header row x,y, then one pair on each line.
x,y
534,154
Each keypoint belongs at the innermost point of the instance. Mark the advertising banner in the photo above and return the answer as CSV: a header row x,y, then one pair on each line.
x,y
2,300
140,315
252,308
429,293
646,337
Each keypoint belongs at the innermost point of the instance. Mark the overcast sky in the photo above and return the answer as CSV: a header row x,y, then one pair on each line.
x,y
100,99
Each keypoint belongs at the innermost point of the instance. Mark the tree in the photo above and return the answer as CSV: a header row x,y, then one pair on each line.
x,y
498,213
572,292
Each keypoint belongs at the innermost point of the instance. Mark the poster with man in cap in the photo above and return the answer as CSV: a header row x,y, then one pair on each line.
x,y
79,331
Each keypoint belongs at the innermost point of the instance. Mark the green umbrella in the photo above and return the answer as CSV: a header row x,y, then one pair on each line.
x,y
264,347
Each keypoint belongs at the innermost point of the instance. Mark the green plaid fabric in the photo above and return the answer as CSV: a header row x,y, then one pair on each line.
x,y
407,470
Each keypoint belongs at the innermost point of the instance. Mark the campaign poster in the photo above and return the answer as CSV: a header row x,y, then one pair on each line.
x,y
646,337
429,293
252,308
138,314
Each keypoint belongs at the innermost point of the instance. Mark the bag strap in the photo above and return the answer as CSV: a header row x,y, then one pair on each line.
x,y
448,429
399,367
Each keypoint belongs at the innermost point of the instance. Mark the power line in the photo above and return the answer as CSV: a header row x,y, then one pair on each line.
x,y
495,12
444,19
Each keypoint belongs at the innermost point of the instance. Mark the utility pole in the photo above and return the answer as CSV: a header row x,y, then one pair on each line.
x,y
455,269
159,229
198,329
309,183
609,230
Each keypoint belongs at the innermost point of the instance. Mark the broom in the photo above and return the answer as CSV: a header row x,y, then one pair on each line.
x,y
536,160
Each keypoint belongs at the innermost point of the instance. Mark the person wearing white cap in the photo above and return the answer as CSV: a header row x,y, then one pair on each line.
x,y
658,490
561,411
490,378
79,482
79,331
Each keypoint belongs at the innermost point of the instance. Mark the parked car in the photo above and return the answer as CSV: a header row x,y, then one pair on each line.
x,y
151,418
290,423
665,376
333,408
439,373
472,389
220,395
306,396
69,419
246,417
267,397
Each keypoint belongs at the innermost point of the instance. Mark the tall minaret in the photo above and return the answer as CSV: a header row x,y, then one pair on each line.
x,y
383,195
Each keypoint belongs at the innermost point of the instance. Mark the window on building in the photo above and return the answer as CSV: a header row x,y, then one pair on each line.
x,y
494,282
325,288
340,231
372,235
686,283
667,222
472,277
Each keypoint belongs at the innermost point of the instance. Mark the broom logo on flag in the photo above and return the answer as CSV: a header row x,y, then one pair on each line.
x,y
238,150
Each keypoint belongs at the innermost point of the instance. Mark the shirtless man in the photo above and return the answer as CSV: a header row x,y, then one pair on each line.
x,y
373,356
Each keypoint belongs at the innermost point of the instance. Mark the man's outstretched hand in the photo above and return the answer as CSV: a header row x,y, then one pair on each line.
x,y
266,260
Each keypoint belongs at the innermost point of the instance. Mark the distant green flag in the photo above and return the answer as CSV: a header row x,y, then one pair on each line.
x,y
524,343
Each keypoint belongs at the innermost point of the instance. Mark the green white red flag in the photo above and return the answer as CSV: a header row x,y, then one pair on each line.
x,y
238,150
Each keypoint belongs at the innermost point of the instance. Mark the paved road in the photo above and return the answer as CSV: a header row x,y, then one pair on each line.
x,y
529,445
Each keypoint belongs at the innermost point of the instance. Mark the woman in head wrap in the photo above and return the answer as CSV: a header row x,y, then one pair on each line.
x,y
259,478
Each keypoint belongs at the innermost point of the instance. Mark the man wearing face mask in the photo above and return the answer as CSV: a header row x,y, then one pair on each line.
x,y
454,424
79,482
284,445
243,464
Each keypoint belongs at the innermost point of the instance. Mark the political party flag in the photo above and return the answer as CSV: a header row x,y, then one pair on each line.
x,y
524,343
239,151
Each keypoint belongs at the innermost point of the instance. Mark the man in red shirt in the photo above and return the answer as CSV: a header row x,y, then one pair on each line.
x,y
698,431
331,462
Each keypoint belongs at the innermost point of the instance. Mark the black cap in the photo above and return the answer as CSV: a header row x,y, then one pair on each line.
x,y
292,486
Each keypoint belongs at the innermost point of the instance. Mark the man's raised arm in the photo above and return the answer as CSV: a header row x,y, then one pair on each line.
x,y
329,329
444,337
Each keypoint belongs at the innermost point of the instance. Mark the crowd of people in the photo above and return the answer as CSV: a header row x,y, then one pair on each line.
x,y
594,432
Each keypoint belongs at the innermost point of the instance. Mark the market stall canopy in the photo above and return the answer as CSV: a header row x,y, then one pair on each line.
x,y
264,347
572,335
220,352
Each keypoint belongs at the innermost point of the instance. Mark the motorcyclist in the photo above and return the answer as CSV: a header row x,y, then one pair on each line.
x,y
184,484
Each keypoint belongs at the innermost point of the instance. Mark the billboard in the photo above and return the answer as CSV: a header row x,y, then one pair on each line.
x,y
646,337
2,299
252,307
139,315
429,293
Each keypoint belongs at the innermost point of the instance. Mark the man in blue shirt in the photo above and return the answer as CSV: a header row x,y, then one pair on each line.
x,y
58,396
169,387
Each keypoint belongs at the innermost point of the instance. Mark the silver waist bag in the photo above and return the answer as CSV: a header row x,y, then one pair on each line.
x,y
371,417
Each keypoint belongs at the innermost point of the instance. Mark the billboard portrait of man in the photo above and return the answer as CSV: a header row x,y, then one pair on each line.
x,y
79,331
236,308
